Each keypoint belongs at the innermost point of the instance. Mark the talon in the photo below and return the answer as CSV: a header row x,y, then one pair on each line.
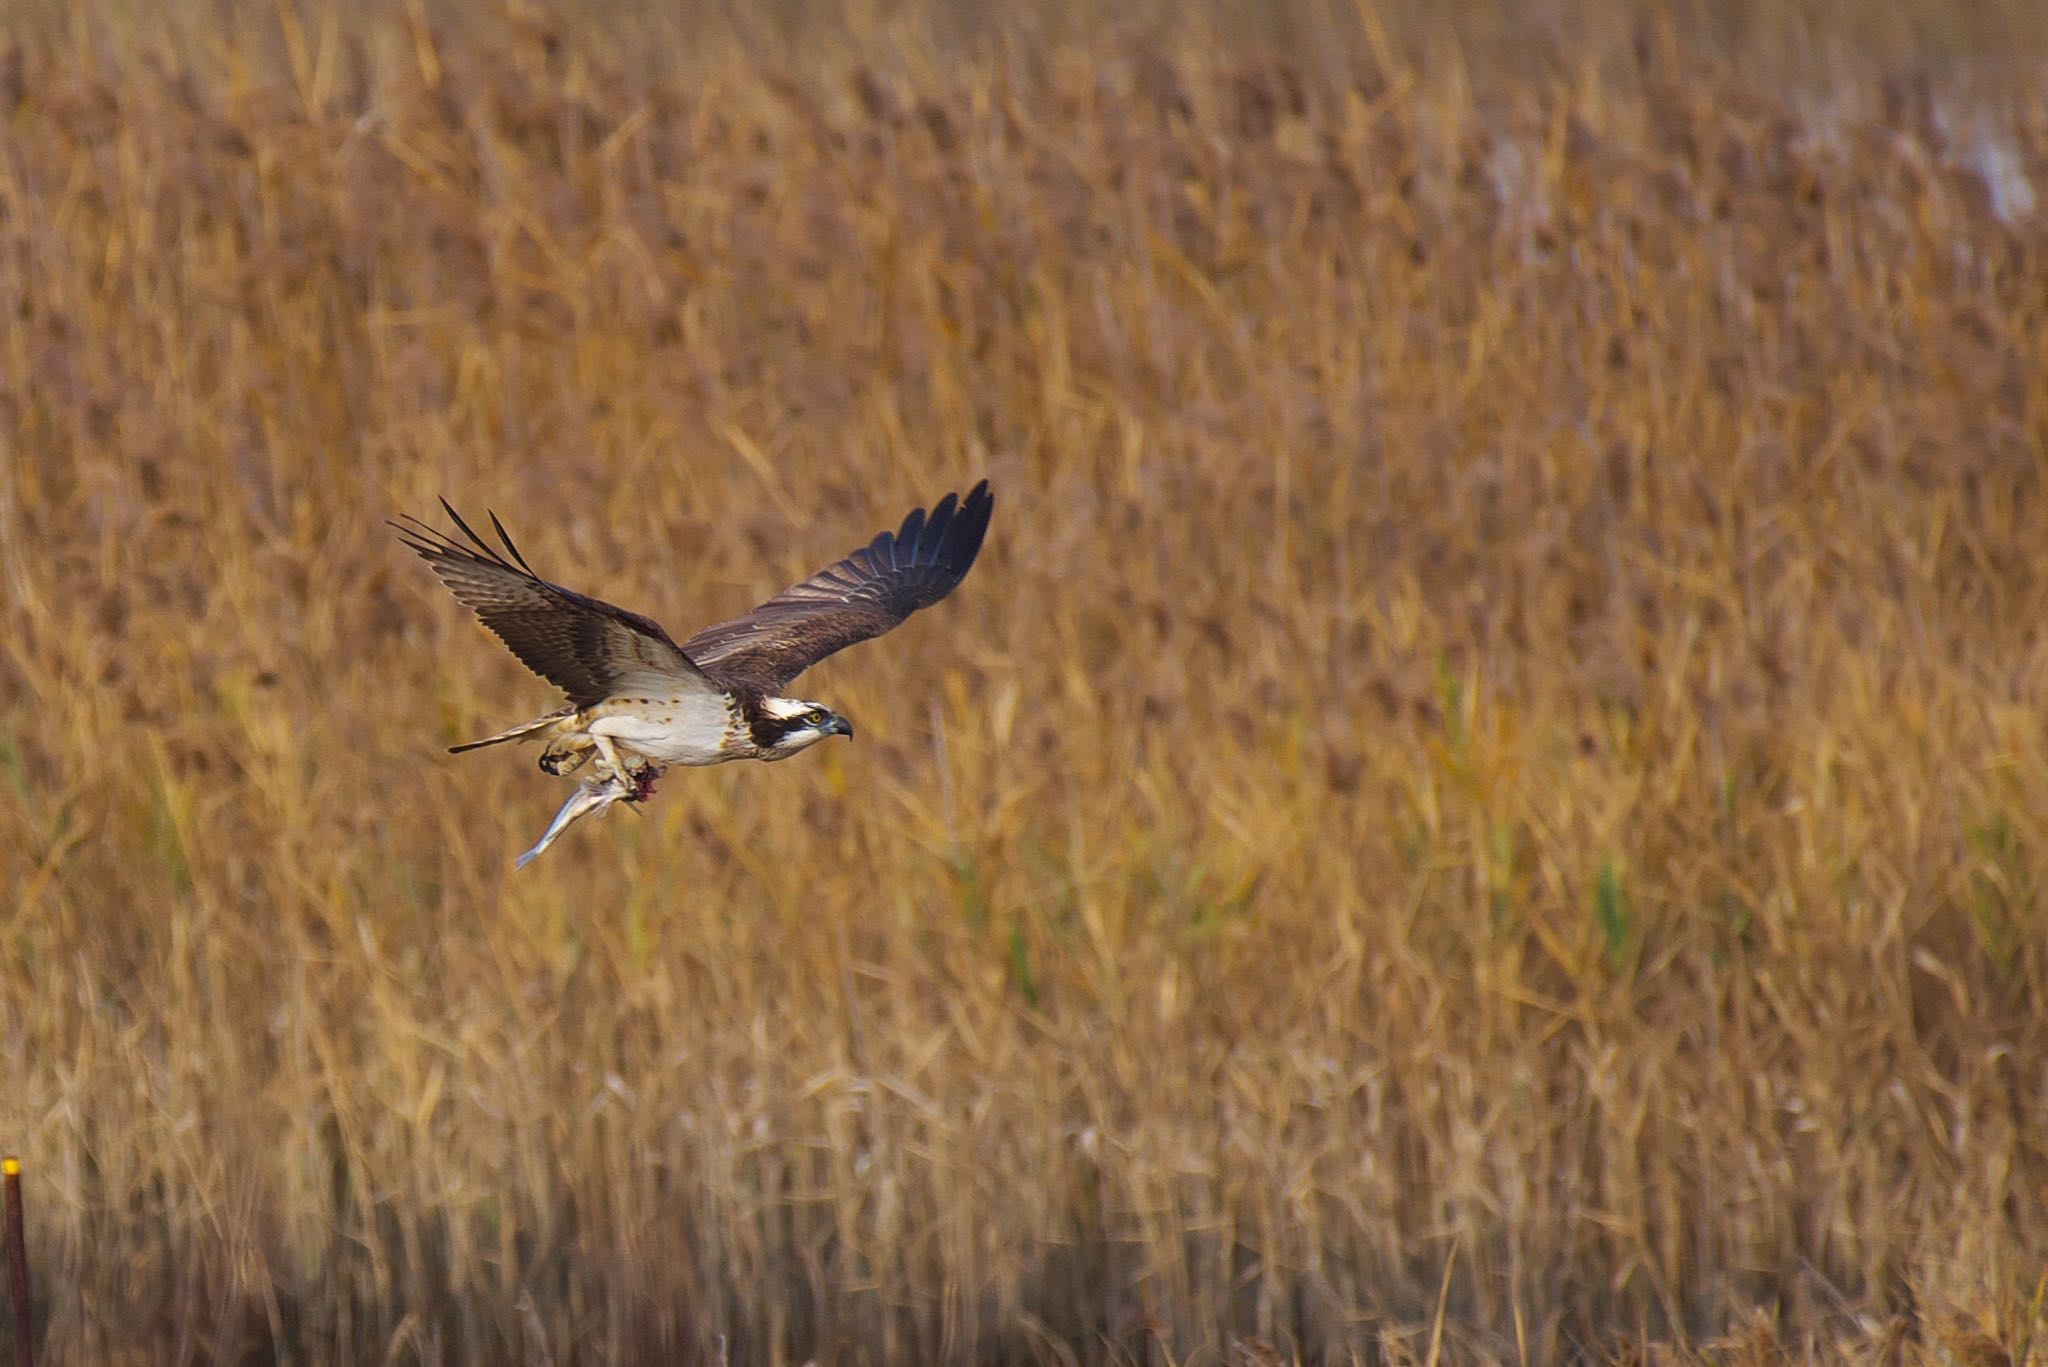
x,y
559,762
643,783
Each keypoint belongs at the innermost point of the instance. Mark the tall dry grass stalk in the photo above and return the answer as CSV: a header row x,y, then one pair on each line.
x,y
1485,802
20,1318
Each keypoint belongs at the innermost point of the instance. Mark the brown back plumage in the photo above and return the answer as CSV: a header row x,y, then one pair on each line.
x,y
864,595
588,648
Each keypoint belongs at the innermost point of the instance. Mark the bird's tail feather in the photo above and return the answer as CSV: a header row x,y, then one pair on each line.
x,y
519,732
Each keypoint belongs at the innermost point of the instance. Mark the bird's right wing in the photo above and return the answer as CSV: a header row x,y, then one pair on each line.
x,y
584,646
862,596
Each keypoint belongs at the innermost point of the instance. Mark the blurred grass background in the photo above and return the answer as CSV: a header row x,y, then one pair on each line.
x,y
1485,802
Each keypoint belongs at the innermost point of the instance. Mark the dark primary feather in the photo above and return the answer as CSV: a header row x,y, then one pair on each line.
x,y
863,595
585,647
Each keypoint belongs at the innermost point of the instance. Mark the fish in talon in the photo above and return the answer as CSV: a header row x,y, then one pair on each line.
x,y
591,795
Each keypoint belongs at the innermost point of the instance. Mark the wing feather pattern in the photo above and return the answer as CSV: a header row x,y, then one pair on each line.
x,y
584,646
863,595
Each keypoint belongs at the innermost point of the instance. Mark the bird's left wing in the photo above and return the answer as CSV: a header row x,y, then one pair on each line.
x,y
863,595
588,648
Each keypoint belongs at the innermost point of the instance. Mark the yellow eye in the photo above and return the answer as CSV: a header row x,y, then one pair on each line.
x,y
815,717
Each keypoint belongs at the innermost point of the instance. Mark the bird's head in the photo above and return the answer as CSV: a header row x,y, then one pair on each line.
x,y
793,724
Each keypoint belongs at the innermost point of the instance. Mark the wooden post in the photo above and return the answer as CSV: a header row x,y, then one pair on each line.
x,y
17,1263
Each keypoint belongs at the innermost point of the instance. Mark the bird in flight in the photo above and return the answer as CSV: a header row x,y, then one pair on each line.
x,y
639,702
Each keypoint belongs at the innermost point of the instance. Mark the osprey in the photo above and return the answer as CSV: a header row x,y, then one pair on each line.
x,y
639,702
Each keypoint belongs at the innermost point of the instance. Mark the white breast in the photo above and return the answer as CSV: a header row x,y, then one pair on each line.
x,y
686,730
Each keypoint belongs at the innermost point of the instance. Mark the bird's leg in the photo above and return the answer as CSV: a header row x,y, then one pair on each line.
x,y
610,755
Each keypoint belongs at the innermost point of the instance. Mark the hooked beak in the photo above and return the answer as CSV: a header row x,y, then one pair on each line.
x,y
839,726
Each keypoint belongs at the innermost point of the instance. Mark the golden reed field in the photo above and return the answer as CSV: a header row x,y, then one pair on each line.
x,y
1485,802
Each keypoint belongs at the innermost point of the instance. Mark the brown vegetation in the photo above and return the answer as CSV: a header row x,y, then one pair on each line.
x,y
1486,799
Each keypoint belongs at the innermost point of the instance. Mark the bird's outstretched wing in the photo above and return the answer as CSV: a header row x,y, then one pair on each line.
x,y
863,595
587,648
